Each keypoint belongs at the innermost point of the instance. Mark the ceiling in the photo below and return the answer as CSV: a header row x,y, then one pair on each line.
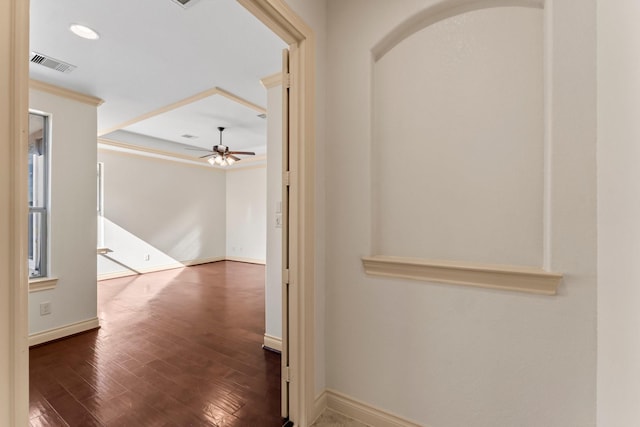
x,y
152,60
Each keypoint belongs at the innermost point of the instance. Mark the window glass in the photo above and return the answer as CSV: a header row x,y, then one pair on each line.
x,y
38,194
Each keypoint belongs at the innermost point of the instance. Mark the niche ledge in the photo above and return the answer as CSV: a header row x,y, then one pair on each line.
x,y
511,278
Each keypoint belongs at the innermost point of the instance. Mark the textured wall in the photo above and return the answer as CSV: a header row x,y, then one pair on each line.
x,y
618,213
454,356
458,140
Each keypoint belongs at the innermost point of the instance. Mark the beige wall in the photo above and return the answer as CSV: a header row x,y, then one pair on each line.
x,y
618,213
246,217
72,218
174,212
457,140
448,355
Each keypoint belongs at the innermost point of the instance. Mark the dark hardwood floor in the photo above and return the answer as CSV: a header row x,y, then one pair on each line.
x,y
176,348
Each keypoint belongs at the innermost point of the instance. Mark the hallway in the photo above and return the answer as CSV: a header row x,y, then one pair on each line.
x,y
175,348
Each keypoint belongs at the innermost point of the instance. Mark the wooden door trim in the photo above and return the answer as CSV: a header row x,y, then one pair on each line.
x,y
280,19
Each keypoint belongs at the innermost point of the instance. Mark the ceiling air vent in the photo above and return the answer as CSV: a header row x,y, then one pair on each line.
x,y
262,116
188,136
184,3
49,62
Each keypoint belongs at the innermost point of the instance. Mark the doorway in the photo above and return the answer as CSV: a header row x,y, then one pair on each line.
x,y
294,32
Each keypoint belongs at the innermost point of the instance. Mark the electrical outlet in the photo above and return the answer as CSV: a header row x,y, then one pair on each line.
x,y
45,308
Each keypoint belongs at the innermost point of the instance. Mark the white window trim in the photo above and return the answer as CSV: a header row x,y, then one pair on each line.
x,y
42,284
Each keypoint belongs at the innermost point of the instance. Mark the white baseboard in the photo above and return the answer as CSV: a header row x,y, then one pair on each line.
x,y
361,411
127,273
63,331
272,342
247,260
203,260
319,406
182,264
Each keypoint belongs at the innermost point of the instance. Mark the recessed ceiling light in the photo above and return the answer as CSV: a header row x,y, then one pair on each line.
x,y
84,32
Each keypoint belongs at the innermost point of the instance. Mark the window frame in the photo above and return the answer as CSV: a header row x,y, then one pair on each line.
x,y
43,210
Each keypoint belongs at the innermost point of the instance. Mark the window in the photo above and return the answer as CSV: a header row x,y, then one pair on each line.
x,y
100,205
38,187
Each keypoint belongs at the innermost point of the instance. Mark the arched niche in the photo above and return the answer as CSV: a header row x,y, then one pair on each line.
x,y
458,135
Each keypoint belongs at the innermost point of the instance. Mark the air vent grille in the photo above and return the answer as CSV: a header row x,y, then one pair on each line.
x,y
188,136
49,62
184,3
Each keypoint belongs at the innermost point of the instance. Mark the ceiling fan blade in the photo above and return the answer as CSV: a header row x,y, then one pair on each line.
x,y
197,149
208,155
234,157
246,153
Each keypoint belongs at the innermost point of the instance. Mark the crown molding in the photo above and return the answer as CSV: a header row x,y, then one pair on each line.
x,y
65,93
186,101
271,81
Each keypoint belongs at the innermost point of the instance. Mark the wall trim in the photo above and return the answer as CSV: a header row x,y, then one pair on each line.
x,y
271,81
42,284
512,278
63,331
14,286
320,405
64,93
139,271
197,97
438,12
361,411
206,260
153,153
239,166
137,150
247,260
273,343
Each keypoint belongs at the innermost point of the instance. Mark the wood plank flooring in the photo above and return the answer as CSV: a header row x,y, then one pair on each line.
x,y
176,348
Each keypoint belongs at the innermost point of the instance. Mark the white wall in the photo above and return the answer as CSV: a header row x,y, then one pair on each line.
x,y
618,213
72,216
171,211
446,355
246,204
273,283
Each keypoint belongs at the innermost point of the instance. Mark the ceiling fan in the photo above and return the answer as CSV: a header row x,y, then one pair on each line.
x,y
221,155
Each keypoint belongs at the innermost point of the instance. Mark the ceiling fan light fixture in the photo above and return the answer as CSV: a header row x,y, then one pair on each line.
x,y
221,155
84,32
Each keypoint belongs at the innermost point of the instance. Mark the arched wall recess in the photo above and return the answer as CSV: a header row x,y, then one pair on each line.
x,y
458,150
439,12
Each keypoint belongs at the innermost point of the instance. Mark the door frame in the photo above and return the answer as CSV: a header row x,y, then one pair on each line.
x,y
280,19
